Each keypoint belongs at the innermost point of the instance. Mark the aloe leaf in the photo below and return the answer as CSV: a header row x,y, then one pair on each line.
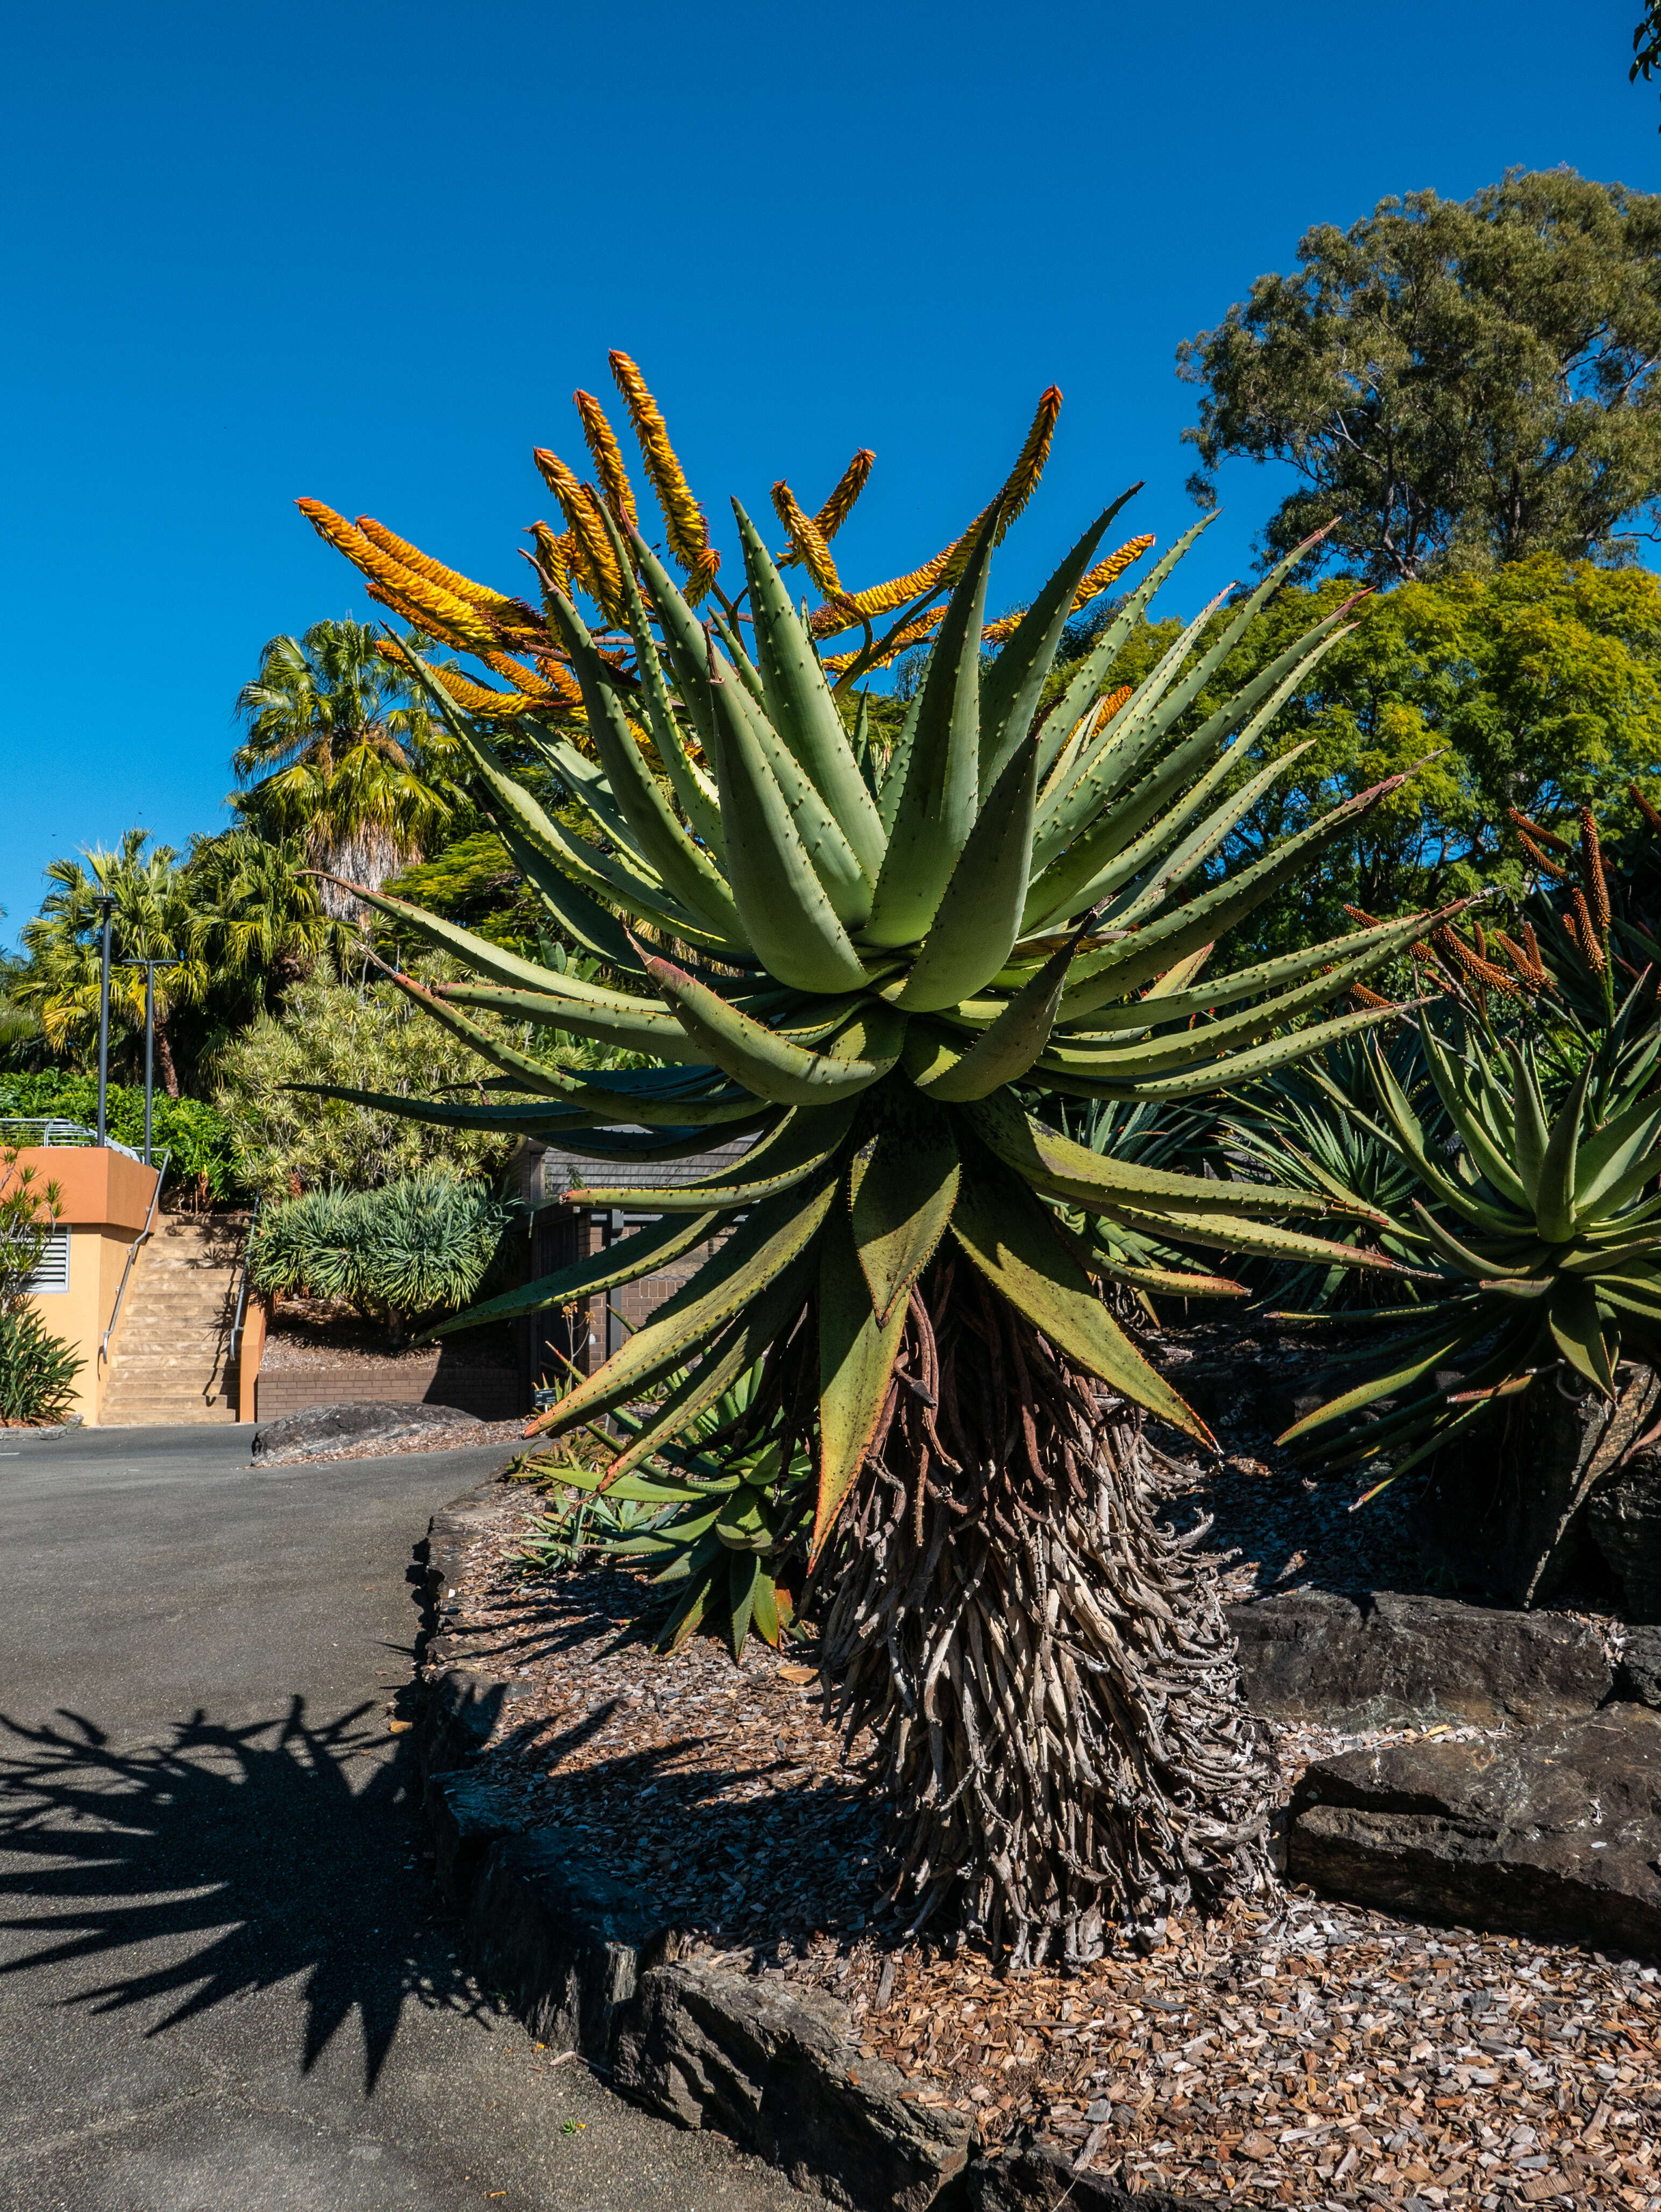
x,y
700,802
1012,1239
765,1062
899,764
1008,1045
1603,1163
686,872
640,1253
1490,1160
748,674
1554,1208
938,803
688,1617
642,1028
787,917
1092,672
903,1185
593,927
1424,1360
856,1353
1123,968
764,1606
1219,1230
1055,1163
800,1144
1237,1067
1012,686
742,1573
799,704
1528,1131
978,917
1578,1332
758,1251
1171,1282
1480,1268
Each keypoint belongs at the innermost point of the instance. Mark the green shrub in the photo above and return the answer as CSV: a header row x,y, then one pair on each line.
x,y
421,1246
37,1369
197,1135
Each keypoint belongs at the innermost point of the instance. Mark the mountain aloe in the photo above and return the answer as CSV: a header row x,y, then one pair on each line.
x,y
1541,1233
868,960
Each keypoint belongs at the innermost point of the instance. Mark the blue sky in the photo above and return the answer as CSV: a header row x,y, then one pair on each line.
x,y
366,252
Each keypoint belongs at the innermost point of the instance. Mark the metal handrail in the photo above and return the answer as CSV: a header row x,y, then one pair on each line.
x,y
56,1131
159,1163
242,1288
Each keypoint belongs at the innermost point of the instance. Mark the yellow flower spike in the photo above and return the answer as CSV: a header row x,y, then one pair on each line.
x,y
1022,479
432,572
1110,570
608,458
687,523
433,608
849,485
548,683
553,551
589,548
478,699
807,540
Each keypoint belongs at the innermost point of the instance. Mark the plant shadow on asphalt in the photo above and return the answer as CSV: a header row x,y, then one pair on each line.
x,y
244,1855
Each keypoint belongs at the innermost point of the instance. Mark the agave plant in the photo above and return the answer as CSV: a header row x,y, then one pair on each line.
x,y
849,955
1541,1234
1310,1126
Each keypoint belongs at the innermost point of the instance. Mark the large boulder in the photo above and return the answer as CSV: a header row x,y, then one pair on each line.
x,y
318,1429
1388,1658
1556,1833
1639,1679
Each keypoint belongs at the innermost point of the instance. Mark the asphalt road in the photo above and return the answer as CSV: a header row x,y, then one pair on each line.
x,y
225,1979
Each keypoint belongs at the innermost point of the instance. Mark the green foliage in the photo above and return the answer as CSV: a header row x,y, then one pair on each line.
x,y
341,755
1452,381
197,1135
29,1208
422,1246
37,1369
1536,1239
287,1141
1538,687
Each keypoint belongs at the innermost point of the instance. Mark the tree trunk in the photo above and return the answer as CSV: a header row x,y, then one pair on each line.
x,y
164,1058
1049,1681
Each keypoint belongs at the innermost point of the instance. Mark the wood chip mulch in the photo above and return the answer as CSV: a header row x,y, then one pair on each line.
x,y
1305,2052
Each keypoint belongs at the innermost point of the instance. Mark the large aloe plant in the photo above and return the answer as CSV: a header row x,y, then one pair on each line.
x,y
866,959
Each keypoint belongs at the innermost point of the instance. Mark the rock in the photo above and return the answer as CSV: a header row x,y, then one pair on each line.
x,y
1508,1510
317,1428
779,2071
1639,1676
1359,1662
566,1941
1037,2180
1557,1833
1624,1518
466,1816
459,1710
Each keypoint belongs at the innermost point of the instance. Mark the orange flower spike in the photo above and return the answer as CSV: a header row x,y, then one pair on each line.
x,y
807,541
1520,821
434,607
849,485
1649,812
1592,872
1547,867
1588,938
687,523
431,571
608,458
1022,480
554,553
1363,997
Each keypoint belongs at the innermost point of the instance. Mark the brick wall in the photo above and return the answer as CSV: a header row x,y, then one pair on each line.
x,y
580,1333
494,1393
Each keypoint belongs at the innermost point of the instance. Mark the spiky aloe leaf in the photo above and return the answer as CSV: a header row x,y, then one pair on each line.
x,y
856,1353
903,1184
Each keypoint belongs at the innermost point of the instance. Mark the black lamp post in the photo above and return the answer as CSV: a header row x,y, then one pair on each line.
x,y
149,968
106,905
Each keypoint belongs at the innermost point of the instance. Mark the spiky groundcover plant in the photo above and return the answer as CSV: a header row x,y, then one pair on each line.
x,y
870,962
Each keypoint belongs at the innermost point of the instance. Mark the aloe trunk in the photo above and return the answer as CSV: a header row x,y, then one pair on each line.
x,y
882,958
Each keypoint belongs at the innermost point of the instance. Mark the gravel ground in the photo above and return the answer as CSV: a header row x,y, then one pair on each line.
x,y
1306,2053
463,1436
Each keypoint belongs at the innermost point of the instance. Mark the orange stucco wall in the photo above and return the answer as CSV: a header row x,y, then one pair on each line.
x,y
103,1200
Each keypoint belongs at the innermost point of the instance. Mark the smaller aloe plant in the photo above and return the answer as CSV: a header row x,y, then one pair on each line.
x,y
713,1522
1541,1236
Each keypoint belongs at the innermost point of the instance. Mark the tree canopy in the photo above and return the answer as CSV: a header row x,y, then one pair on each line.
x,y
1537,686
1453,383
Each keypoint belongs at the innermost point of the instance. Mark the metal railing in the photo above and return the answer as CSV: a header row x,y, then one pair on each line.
x,y
159,1163
52,1130
242,1290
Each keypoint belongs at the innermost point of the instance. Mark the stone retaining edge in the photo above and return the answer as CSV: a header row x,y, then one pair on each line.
x,y
593,1967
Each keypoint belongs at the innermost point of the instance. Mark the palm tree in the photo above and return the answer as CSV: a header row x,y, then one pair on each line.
x,y
151,921
255,921
340,756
